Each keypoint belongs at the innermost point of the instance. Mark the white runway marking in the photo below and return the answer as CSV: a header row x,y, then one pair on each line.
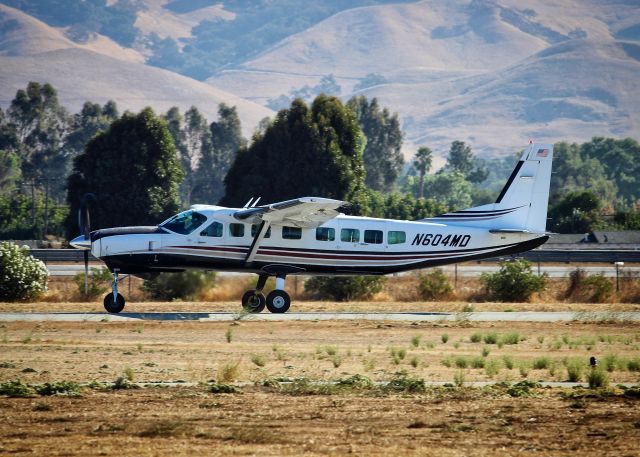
x,y
532,316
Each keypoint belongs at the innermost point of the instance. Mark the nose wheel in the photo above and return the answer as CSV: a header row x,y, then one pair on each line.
x,y
114,302
278,301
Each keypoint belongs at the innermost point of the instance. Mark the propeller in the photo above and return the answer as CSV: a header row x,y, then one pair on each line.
x,y
84,241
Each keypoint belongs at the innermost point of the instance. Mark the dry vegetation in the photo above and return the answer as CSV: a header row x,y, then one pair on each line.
x,y
263,416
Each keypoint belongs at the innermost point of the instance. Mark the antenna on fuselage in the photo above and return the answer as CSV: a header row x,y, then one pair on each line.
x,y
246,205
256,202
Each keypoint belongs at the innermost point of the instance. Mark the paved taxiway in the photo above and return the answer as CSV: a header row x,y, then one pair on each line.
x,y
532,316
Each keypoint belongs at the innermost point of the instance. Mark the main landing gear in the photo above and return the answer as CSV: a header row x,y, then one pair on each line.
x,y
278,301
114,302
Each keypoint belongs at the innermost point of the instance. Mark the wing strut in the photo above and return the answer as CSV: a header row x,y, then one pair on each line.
x,y
255,244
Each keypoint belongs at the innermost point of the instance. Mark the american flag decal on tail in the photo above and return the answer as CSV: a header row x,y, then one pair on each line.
x,y
542,153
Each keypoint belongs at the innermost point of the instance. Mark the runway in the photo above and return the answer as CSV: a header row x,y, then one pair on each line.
x,y
532,316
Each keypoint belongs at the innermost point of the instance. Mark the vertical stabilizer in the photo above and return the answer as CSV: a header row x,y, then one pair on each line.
x,y
522,203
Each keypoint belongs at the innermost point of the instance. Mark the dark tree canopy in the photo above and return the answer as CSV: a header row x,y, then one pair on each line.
x,y
382,156
133,171
577,212
307,150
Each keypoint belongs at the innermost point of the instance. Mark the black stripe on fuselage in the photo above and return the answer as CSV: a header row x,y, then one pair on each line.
x,y
141,263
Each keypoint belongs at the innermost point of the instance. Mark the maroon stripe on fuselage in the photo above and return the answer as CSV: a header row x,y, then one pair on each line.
x,y
372,256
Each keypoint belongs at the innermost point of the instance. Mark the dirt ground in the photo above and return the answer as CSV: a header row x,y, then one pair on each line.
x,y
190,421
266,421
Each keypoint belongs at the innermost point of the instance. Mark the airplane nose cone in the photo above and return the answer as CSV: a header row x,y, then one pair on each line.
x,y
80,242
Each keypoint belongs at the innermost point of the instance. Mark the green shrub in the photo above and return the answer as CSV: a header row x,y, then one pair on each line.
x,y
434,285
259,360
67,388
476,337
16,388
597,378
508,361
357,381
541,363
478,362
344,288
523,388
490,338
405,383
511,338
22,277
99,282
514,282
180,285
597,288
575,368
445,338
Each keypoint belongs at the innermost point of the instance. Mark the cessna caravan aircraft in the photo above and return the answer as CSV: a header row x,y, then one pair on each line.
x,y
309,236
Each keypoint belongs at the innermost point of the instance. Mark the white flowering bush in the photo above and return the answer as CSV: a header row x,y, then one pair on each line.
x,y
22,277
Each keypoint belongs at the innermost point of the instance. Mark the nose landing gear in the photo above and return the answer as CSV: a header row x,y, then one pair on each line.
x,y
114,302
278,301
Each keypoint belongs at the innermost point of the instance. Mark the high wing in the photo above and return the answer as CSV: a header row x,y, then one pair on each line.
x,y
305,212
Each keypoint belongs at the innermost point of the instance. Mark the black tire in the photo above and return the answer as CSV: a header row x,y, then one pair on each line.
x,y
278,301
111,306
253,301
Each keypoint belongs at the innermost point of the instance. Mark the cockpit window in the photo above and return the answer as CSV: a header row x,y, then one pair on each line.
x,y
185,222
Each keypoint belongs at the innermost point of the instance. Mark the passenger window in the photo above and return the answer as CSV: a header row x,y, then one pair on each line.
x,y
325,234
254,230
373,236
236,230
350,235
396,237
214,229
291,233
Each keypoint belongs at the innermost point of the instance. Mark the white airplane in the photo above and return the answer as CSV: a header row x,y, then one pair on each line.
x,y
309,236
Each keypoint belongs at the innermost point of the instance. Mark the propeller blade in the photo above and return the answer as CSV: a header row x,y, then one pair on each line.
x,y
86,272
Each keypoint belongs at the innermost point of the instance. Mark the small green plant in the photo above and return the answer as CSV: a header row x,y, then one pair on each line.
x,y
523,388
574,370
7,365
229,335
123,383
540,339
515,282
490,338
445,338
541,363
511,338
23,277
459,378
415,341
415,362
16,388
597,378
485,351
259,360
357,381
336,360
404,383
129,374
331,350
434,285
67,388
524,370
42,407
228,372
98,282
369,364
476,337
508,362
492,368
460,362
478,362
221,388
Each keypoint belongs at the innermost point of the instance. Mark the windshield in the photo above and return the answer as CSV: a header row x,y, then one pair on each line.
x,y
185,223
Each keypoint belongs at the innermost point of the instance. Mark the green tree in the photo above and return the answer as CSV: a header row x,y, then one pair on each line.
x,y
133,171
462,160
382,156
195,140
306,150
41,126
576,212
9,171
91,120
449,188
225,141
574,171
422,163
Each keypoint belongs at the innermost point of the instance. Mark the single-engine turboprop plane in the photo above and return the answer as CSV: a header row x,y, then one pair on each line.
x,y
309,236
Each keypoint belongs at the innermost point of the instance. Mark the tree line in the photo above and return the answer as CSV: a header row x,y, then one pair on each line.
x,y
139,168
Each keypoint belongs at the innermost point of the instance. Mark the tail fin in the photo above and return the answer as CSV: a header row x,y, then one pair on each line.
x,y
522,204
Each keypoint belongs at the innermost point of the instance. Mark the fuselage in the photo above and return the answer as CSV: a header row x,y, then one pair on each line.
x,y
215,240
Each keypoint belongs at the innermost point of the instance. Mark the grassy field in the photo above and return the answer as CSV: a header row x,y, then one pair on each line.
x,y
309,413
